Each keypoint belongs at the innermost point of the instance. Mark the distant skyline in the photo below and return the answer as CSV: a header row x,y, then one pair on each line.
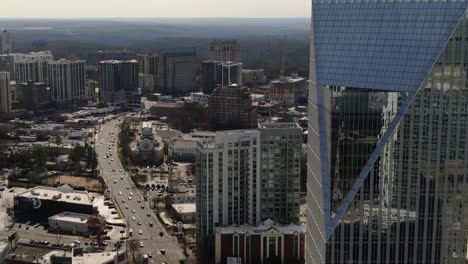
x,y
155,8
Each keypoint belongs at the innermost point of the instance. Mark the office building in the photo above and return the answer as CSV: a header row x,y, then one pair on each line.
x,y
253,76
387,160
288,89
177,71
31,70
268,242
216,73
35,96
224,50
5,94
148,64
67,81
6,47
246,177
231,108
146,82
119,82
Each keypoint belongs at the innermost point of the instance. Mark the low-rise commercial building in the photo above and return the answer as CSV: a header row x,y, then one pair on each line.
x,y
184,212
41,202
265,243
69,222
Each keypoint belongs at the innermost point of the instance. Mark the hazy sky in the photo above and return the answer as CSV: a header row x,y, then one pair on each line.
x,y
153,8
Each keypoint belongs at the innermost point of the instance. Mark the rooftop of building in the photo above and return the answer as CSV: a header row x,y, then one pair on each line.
x,y
278,125
70,217
184,208
263,227
63,193
101,257
288,79
184,143
62,61
118,61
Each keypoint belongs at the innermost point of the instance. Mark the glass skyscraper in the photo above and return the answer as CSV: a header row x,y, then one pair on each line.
x,y
387,148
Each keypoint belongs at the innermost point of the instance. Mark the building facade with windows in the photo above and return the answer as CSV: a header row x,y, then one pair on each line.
x,y
224,50
67,81
177,71
119,82
219,74
387,141
246,177
5,94
231,108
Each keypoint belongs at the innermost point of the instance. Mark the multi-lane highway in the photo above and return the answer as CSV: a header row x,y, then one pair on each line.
x,y
139,217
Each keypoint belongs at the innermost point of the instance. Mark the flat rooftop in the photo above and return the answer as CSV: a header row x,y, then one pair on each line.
x,y
63,194
278,125
102,257
184,208
70,217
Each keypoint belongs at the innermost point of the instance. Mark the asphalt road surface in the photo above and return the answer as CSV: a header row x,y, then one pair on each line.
x,y
126,196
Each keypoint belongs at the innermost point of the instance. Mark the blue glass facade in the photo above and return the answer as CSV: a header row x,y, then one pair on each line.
x,y
389,45
388,129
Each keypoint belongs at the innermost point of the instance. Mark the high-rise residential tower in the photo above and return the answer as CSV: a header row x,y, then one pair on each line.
x,y
224,50
6,47
118,82
5,94
31,70
67,81
247,177
214,73
387,154
177,71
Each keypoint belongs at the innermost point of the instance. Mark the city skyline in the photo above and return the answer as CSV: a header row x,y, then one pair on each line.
x,y
155,9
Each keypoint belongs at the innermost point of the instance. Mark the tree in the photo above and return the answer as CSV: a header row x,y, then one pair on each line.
x,y
133,247
39,157
91,160
58,140
77,154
